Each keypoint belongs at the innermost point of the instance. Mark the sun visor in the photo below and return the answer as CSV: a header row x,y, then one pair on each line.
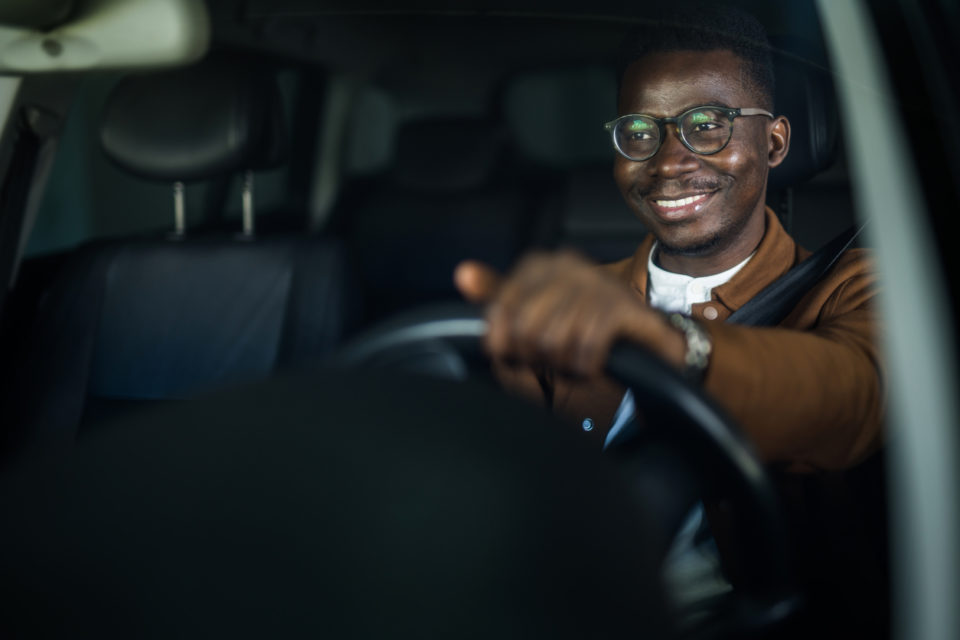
x,y
110,34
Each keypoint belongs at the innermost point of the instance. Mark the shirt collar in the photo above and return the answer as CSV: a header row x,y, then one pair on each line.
x,y
660,277
775,255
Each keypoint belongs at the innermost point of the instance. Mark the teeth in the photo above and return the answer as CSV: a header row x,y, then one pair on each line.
x,y
679,203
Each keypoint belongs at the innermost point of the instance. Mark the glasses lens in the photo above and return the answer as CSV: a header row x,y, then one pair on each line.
x,y
637,137
706,130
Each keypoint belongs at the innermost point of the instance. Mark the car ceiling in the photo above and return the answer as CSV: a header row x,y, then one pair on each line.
x,y
35,14
365,36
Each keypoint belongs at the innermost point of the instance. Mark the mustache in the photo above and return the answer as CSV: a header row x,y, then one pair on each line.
x,y
675,186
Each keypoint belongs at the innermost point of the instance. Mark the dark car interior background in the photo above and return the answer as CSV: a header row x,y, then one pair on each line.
x,y
322,169
354,165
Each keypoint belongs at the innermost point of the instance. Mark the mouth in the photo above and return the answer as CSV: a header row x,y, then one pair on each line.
x,y
679,207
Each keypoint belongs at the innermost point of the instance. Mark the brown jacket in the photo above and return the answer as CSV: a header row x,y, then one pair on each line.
x,y
808,392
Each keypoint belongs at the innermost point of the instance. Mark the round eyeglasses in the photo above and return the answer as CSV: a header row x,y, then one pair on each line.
x,y
703,130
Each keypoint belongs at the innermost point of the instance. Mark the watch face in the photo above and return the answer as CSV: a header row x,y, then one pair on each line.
x,y
698,346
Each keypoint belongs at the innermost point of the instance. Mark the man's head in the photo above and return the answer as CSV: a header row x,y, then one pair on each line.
x,y
690,26
706,209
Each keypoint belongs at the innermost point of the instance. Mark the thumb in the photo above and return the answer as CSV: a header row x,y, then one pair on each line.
x,y
476,281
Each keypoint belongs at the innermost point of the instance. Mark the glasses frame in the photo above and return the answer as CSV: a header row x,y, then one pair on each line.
x,y
731,113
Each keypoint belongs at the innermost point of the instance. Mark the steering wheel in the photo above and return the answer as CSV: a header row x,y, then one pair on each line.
x,y
342,502
684,433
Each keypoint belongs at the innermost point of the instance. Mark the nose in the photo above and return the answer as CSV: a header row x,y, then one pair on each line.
x,y
673,158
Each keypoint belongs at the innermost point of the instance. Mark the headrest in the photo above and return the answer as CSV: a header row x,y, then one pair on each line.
x,y
557,115
194,123
805,95
447,154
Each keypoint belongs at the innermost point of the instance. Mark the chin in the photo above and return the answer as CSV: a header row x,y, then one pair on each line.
x,y
691,244
691,249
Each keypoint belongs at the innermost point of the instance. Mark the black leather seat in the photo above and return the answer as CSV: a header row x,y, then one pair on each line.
x,y
445,198
556,117
127,321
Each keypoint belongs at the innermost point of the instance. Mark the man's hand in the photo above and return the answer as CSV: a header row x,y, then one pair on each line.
x,y
561,311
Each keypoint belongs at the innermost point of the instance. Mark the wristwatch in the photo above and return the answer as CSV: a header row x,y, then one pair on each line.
x,y
696,357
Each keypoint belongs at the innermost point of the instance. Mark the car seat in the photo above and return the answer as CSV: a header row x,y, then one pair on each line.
x,y
134,320
556,117
445,198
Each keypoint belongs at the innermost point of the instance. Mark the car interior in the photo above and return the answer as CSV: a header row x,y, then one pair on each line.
x,y
316,170
437,163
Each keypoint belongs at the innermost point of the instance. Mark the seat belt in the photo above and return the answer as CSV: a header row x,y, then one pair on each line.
x,y
769,307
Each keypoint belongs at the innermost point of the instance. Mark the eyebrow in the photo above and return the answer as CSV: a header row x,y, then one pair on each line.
x,y
710,103
713,103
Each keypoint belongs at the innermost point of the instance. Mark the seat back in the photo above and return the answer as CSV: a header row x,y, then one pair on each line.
x,y
443,199
128,321
557,116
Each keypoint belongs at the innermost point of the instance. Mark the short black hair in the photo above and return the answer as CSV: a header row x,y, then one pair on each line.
x,y
687,26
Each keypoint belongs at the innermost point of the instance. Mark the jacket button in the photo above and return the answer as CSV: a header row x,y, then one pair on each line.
x,y
587,424
711,313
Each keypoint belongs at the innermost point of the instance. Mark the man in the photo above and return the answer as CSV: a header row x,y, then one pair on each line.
x,y
808,393
695,140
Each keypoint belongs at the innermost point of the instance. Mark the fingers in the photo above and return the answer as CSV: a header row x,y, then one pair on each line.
x,y
524,303
476,281
563,312
560,311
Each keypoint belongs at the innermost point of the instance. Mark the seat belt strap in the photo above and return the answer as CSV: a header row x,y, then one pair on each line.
x,y
769,307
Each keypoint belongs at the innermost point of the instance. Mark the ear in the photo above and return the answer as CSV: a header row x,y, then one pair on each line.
x,y
778,141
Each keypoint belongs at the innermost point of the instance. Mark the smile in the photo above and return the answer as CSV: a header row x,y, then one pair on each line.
x,y
681,208
682,202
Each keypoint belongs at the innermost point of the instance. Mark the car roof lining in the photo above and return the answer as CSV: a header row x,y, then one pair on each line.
x,y
35,14
365,36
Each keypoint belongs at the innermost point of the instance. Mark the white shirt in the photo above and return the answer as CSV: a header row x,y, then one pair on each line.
x,y
676,292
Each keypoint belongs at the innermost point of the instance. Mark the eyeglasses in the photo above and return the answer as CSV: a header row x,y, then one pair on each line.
x,y
703,130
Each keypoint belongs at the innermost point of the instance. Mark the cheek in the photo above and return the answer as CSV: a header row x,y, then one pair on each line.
x,y
732,160
742,162
625,173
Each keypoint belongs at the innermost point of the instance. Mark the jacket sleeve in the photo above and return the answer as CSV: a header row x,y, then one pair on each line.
x,y
810,392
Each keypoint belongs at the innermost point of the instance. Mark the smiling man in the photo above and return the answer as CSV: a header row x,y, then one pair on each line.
x,y
694,143
698,188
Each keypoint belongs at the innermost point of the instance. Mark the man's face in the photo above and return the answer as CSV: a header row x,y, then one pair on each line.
x,y
699,206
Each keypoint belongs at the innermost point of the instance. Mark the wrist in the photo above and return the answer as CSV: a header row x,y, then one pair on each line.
x,y
652,329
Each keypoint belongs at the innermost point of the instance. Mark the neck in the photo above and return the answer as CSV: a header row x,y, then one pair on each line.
x,y
698,266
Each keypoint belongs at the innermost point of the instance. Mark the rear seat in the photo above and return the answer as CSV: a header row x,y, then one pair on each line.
x,y
128,321
557,116
446,197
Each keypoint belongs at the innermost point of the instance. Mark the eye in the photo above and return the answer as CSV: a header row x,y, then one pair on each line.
x,y
639,135
705,126
638,130
704,122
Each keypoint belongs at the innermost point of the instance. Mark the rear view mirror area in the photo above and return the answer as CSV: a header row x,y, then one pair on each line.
x,y
103,34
